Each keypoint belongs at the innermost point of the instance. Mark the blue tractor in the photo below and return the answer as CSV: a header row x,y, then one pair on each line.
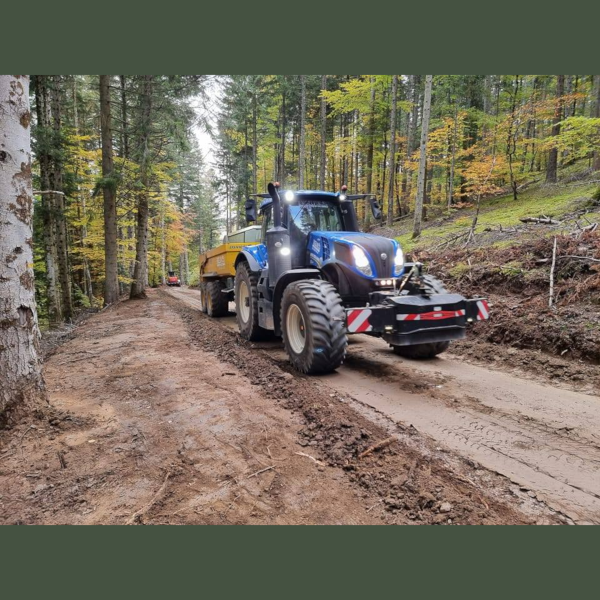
x,y
315,279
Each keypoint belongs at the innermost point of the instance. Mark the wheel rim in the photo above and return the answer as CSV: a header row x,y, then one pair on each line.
x,y
296,329
244,302
208,303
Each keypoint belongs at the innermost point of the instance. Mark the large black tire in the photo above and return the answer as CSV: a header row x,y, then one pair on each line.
x,y
312,323
217,304
203,303
246,290
431,350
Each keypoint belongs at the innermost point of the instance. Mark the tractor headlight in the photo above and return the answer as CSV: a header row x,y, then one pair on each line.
x,y
361,261
398,261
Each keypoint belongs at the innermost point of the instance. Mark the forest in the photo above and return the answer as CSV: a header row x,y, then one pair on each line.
x,y
119,397
127,143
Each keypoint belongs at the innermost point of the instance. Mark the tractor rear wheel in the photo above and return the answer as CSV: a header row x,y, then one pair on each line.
x,y
431,350
246,303
312,323
203,303
217,304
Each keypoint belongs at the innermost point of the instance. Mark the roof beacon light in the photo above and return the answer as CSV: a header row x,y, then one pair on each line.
x,y
289,196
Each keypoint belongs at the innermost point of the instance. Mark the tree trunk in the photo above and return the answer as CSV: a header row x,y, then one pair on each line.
x,y
163,246
552,168
184,266
511,141
254,143
56,183
596,115
302,149
111,281
140,272
390,206
323,161
44,140
22,384
282,144
453,160
423,157
87,278
124,125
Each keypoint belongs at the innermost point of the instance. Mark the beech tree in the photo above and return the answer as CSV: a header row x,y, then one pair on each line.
x,y
111,281
302,150
140,272
22,384
390,211
552,168
423,157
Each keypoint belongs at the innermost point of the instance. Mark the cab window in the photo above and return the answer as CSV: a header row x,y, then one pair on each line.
x,y
266,222
311,215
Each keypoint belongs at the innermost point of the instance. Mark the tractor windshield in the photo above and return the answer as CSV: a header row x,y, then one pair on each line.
x,y
314,215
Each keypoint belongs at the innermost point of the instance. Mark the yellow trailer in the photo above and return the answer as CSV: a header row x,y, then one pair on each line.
x,y
217,270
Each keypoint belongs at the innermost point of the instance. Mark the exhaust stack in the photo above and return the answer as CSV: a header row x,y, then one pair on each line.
x,y
278,241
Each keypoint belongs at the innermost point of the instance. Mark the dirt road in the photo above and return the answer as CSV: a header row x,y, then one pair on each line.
x,y
160,415
542,437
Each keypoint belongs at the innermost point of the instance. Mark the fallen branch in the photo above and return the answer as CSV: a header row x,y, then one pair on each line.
x,y
261,471
137,516
542,261
318,462
543,220
580,257
551,299
378,446
452,239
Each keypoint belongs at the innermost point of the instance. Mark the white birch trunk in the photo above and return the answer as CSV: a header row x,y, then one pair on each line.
x,y
21,381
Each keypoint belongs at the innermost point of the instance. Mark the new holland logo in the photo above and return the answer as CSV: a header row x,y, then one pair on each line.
x,y
383,256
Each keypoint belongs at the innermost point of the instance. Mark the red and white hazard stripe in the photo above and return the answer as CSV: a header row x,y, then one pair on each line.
x,y
358,320
431,316
483,310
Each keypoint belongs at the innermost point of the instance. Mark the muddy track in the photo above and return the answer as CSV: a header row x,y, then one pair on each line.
x,y
541,437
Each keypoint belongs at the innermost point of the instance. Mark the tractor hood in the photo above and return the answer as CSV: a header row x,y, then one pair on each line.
x,y
336,247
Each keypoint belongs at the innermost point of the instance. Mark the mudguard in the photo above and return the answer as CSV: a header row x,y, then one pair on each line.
x,y
249,258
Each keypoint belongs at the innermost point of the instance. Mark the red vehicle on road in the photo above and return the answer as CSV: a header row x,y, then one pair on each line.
x,y
172,279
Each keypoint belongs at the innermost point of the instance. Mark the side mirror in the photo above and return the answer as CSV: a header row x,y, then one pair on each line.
x,y
375,208
250,207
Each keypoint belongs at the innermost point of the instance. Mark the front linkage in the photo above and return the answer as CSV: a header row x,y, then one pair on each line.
x,y
411,314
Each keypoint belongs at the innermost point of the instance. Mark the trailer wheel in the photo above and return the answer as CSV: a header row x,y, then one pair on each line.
x,y
246,303
312,322
203,303
217,304
431,350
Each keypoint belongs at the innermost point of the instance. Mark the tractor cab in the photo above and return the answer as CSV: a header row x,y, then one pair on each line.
x,y
324,234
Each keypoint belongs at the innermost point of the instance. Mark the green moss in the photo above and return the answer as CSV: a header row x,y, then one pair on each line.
x,y
458,270
512,269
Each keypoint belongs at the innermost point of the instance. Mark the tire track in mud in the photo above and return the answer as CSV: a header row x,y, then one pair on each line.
x,y
412,480
540,437
539,447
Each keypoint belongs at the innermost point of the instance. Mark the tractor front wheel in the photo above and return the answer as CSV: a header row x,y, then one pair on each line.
x,y
312,323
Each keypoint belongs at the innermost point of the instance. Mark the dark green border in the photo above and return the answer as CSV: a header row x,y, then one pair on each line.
x,y
312,36
300,562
